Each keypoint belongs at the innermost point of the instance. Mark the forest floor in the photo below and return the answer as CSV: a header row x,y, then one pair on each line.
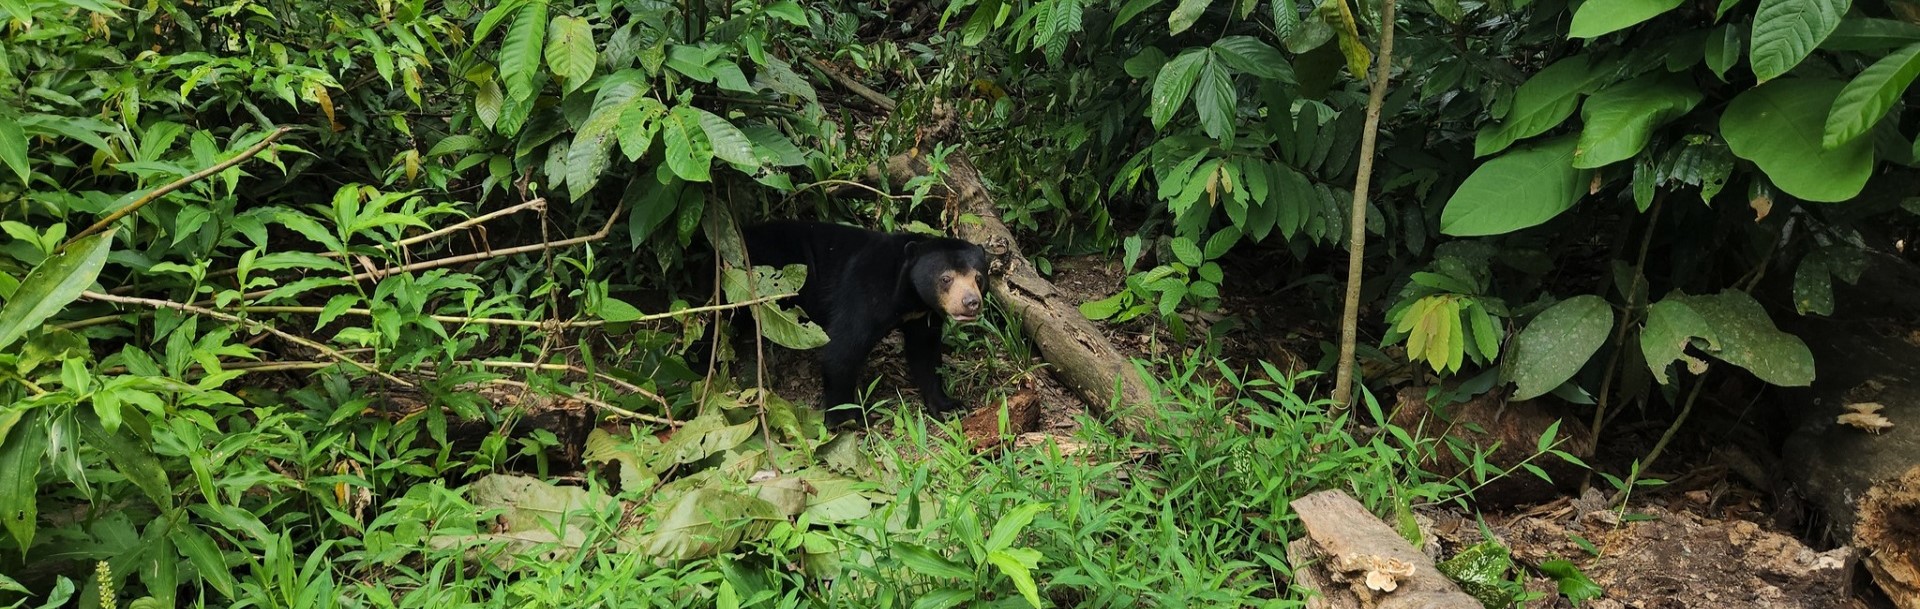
x,y
1710,537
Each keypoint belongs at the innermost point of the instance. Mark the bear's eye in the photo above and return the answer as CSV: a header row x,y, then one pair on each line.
x,y
946,279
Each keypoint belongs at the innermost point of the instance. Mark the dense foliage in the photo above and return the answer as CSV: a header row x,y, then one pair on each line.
x,y
264,260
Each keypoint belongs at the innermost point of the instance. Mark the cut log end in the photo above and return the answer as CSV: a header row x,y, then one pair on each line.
x,y
1351,560
1888,533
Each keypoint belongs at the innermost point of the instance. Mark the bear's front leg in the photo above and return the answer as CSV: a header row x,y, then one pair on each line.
x,y
924,351
841,363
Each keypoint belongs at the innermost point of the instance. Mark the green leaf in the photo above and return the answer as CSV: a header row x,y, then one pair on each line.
x,y
130,454
689,155
1779,127
1748,339
1723,49
944,598
1671,325
1097,310
1214,98
784,328
1541,103
1813,286
927,563
1868,97
1220,243
787,10
729,143
1174,83
1557,343
1286,18
1786,31
1601,17
570,50
706,521
1867,34
1573,583
52,284
21,450
200,550
1186,14
1516,190
1186,251
1018,565
13,148
587,158
1010,525
1620,119
1248,55
520,52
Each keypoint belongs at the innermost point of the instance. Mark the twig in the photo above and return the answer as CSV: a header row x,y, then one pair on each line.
x,y
1357,235
310,344
878,99
454,260
1620,337
1660,446
454,319
177,185
591,402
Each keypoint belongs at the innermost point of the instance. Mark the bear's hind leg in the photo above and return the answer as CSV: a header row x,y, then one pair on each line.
x,y
841,363
924,351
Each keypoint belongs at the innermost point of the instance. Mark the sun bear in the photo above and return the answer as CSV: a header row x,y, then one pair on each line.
x,y
863,284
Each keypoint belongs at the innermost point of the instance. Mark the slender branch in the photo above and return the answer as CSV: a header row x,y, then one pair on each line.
x,y
454,319
878,99
329,352
1620,335
1357,239
177,185
591,402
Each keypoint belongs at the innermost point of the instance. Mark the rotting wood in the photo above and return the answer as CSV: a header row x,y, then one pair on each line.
x,y
1888,535
1080,355
1345,544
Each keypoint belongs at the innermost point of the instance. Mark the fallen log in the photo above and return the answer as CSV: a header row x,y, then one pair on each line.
x,y
1346,545
1888,535
1078,353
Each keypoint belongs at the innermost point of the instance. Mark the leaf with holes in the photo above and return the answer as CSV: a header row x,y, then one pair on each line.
x,y
570,50
1557,343
689,154
1671,325
1748,339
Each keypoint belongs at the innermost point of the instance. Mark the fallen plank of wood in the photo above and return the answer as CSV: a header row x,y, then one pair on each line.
x,y
1351,560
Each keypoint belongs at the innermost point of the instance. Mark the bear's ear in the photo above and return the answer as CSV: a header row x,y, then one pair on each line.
x,y
913,249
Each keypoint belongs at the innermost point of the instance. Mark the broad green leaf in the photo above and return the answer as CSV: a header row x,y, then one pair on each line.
x,y
1601,17
1557,343
1186,14
1516,190
1619,119
587,158
570,50
784,328
1248,55
1670,326
1778,126
1868,97
21,449
1018,565
1097,310
1214,98
729,143
1219,244
1786,31
52,284
689,154
1128,11
927,563
1723,48
1010,525
1867,34
787,10
1541,103
1748,339
1573,583
1174,83
520,53
13,148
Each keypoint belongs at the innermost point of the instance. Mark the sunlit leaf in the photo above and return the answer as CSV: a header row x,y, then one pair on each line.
x,y
1779,126
1519,189
54,283
1867,97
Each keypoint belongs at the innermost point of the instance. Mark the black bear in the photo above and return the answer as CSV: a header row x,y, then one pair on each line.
x,y
862,284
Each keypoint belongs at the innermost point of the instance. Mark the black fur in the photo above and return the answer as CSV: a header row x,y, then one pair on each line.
x,y
861,285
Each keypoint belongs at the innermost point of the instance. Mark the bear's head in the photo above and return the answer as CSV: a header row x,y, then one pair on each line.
x,y
950,275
